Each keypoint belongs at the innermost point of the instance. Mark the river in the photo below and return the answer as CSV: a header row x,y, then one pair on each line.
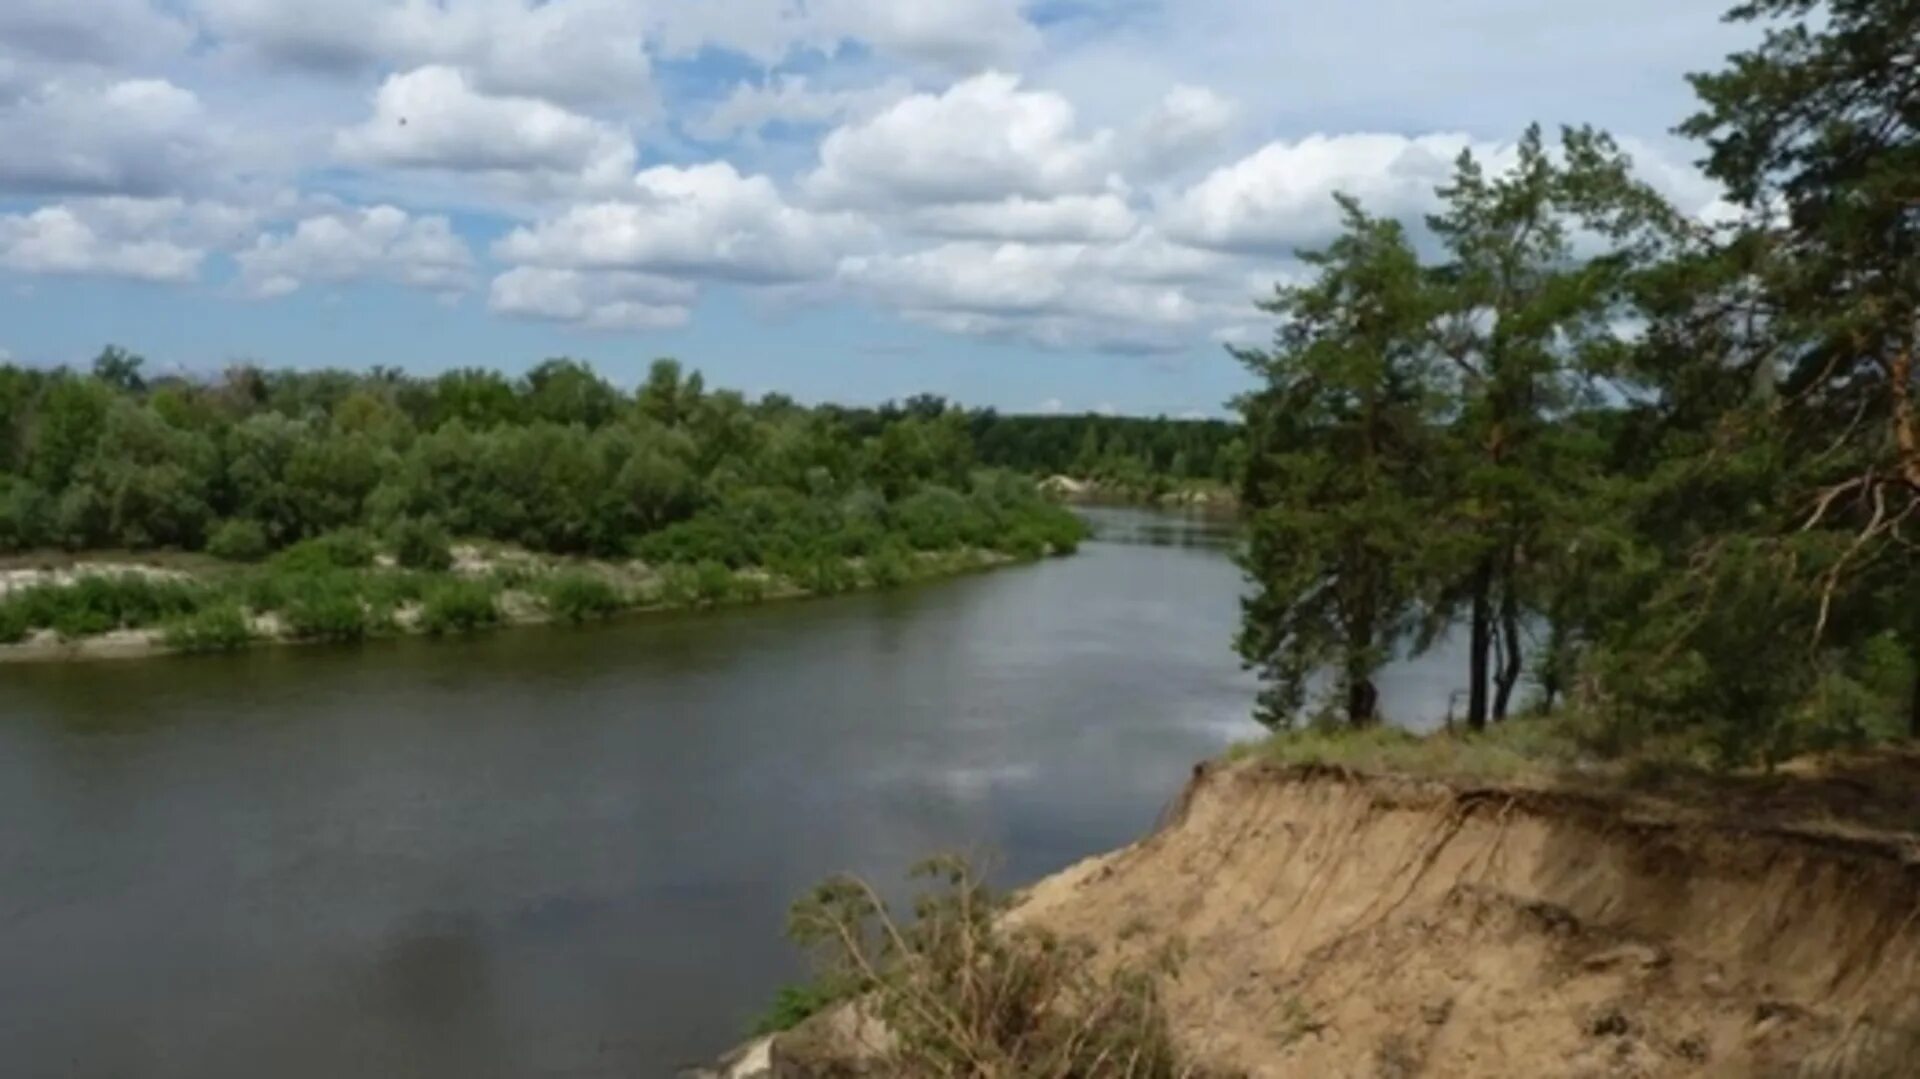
x,y
554,852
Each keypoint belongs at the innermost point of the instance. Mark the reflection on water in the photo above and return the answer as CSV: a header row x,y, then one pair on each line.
x,y
568,852
1196,528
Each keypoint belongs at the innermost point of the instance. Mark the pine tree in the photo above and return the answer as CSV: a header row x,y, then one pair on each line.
x,y
1337,479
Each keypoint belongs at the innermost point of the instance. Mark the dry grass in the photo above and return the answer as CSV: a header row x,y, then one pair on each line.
x,y
963,997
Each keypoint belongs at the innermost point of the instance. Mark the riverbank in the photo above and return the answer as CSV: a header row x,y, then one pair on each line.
x,y
201,606
1157,494
1324,920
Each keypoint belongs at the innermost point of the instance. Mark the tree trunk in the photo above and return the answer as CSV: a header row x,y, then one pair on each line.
x,y
1363,703
1913,717
1511,663
1480,646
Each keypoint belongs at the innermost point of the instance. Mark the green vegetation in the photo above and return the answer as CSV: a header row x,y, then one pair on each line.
x,y
1666,471
459,606
1124,457
963,995
421,544
220,628
326,479
239,541
576,596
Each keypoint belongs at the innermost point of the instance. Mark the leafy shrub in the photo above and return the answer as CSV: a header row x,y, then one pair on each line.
x,y
889,567
712,583
239,540
579,597
795,1004
98,603
222,627
420,543
1022,543
14,625
348,548
325,607
458,606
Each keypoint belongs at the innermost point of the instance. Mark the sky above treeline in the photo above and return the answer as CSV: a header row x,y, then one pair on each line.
x,y
1059,205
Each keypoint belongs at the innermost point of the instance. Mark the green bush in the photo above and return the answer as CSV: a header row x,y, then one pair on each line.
x,y
239,540
420,543
99,603
889,567
458,606
795,1004
325,607
579,596
349,548
14,625
222,627
712,583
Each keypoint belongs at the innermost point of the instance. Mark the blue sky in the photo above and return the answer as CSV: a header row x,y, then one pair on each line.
x,y
1061,205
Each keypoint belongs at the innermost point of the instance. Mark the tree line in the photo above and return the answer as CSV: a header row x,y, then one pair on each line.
x,y
1659,472
560,461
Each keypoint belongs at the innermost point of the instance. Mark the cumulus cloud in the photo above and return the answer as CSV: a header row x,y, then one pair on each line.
x,y
137,137
100,239
1189,124
1281,197
600,301
345,244
567,50
433,118
983,139
958,35
704,221
100,32
1058,295
1069,218
789,99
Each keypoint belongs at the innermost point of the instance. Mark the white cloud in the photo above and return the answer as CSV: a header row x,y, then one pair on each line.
x,y
704,220
99,32
95,239
1281,197
567,50
1187,126
1052,406
982,139
788,99
962,35
432,118
138,136
1068,218
957,35
1059,295
601,301
346,244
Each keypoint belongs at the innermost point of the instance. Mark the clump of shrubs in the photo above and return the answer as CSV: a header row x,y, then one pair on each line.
x,y
222,627
239,540
578,596
420,543
458,606
348,548
325,607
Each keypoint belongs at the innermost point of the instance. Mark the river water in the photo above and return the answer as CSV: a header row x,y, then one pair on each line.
x,y
553,852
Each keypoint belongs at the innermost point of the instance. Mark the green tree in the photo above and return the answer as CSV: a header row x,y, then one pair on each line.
x,y
1816,135
1339,483
1525,317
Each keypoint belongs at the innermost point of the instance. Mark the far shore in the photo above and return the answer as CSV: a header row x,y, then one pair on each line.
x,y
514,607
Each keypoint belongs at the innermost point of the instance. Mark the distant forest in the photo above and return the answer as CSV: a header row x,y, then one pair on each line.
x,y
558,460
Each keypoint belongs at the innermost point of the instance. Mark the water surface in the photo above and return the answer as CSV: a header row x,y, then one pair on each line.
x,y
553,852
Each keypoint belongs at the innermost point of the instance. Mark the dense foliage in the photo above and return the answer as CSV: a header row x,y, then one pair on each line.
x,y
559,461
1668,469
